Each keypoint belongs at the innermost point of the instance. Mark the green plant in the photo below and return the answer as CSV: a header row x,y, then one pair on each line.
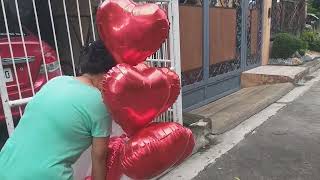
x,y
315,46
312,39
309,36
314,7
285,45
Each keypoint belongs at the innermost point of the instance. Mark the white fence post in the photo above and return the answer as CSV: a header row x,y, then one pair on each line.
x,y
175,54
5,101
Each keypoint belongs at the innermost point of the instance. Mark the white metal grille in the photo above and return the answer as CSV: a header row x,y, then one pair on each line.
x,y
72,25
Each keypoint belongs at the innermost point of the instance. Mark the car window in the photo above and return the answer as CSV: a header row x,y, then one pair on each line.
x,y
14,29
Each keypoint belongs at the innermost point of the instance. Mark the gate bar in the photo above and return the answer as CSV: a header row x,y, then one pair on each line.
x,y
24,46
54,36
11,51
69,36
92,21
174,40
40,38
5,101
19,102
80,23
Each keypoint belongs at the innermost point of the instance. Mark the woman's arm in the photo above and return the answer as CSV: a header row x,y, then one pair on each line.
x,y
99,157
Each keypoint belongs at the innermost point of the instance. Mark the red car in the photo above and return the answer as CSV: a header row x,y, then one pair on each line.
x,y
37,68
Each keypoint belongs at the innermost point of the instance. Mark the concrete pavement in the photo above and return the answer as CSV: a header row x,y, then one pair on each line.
x,y
280,142
286,147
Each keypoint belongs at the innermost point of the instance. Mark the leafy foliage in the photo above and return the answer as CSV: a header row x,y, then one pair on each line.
x,y
285,45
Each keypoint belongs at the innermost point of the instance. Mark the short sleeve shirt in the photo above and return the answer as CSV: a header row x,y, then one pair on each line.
x,y
57,126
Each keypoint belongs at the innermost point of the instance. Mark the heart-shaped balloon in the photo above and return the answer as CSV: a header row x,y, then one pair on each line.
x,y
137,95
174,82
115,148
132,32
156,148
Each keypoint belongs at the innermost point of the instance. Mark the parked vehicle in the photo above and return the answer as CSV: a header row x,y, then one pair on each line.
x,y
313,21
34,57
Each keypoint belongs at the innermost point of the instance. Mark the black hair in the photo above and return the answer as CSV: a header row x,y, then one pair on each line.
x,y
95,59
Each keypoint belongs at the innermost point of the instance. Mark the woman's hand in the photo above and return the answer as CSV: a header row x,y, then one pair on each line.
x,y
99,157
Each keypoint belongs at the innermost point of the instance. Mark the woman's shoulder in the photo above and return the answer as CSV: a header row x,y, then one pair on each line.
x,y
70,88
61,78
58,80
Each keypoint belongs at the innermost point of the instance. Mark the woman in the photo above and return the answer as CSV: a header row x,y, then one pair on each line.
x,y
62,120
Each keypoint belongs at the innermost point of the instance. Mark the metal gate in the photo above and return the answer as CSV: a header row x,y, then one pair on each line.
x,y
42,39
227,36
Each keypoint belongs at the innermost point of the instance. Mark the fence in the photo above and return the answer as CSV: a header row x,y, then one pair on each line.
x,y
40,40
288,16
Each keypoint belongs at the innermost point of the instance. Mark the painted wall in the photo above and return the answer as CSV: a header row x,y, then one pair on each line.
x,y
266,32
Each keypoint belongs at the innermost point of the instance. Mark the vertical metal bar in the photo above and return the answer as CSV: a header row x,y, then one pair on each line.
x,y
5,101
54,35
80,24
158,56
166,50
69,36
263,30
92,22
24,46
11,52
40,39
171,43
167,65
206,43
244,39
175,54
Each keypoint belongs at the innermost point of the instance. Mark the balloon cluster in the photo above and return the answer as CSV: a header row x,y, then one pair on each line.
x,y
136,94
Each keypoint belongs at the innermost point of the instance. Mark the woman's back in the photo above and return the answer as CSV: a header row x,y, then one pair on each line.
x,y
57,126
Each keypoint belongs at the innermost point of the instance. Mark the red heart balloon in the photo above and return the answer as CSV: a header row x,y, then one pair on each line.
x,y
114,168
155,149
115,148
174,82
132,32
137,95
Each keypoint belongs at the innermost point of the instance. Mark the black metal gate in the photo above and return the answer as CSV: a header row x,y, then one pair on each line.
x,y
231,40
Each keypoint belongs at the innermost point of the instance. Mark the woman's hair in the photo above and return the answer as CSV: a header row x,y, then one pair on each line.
x,y
95,59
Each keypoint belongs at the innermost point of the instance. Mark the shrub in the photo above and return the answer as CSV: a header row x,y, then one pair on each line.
x,y
315,46
314,7
285,45
312,39
309,37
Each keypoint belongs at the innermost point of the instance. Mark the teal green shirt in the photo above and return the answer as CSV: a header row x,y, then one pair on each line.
x,y
57,126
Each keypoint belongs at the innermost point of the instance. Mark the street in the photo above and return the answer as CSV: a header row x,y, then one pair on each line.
x,y
286,147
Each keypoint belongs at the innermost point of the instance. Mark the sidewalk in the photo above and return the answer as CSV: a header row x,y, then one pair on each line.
x,y
285,146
